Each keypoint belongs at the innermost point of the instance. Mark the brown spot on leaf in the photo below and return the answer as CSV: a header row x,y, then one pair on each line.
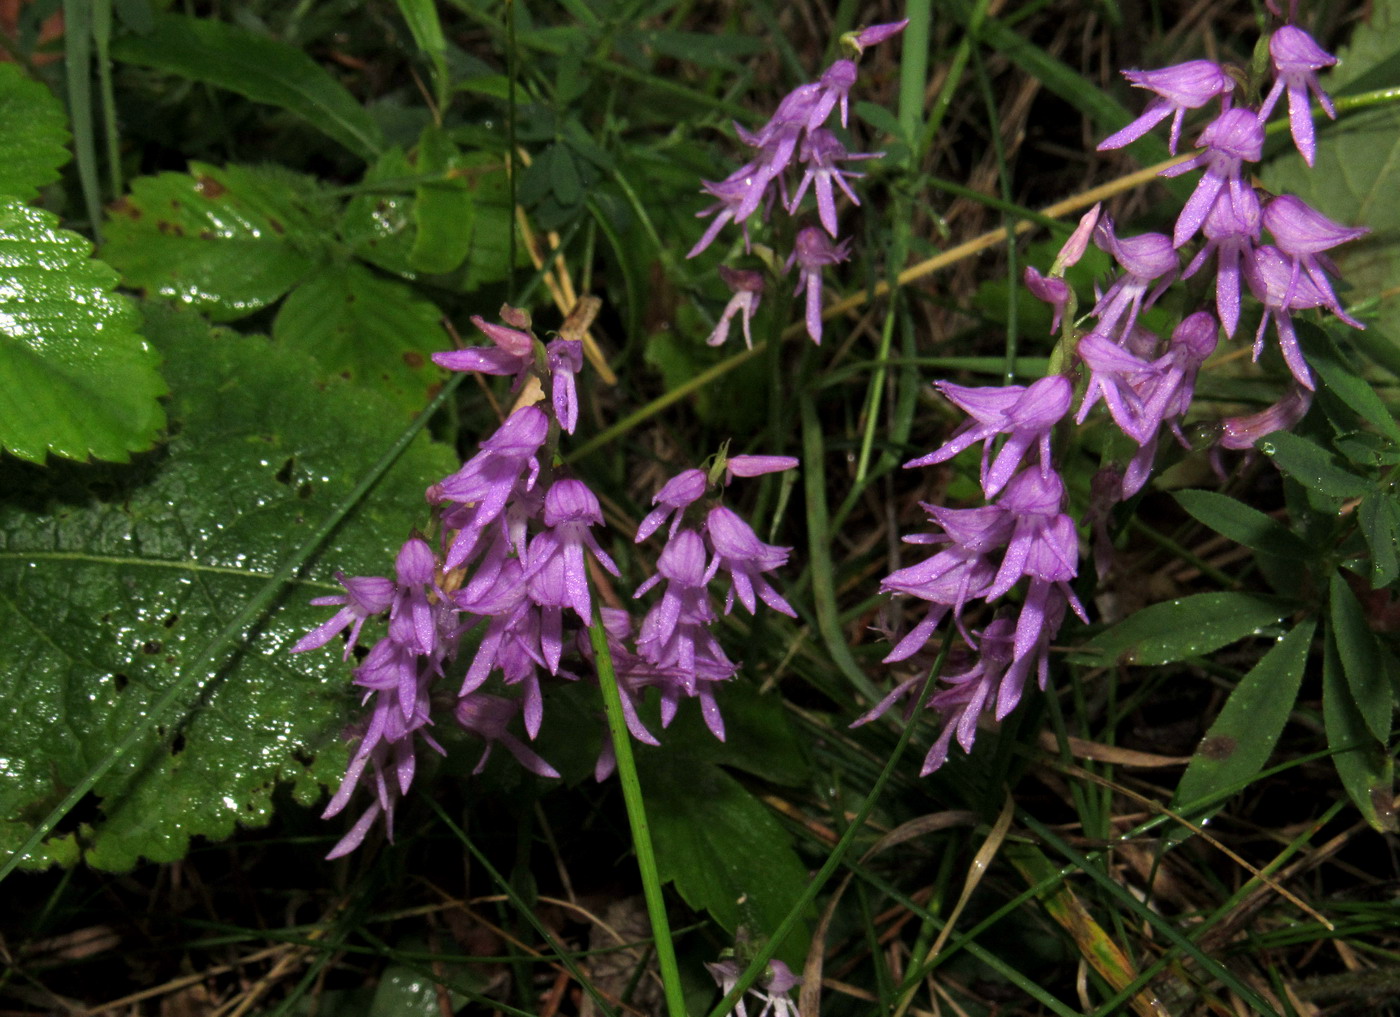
x,y
123,206
209,187
206,235
170,228
413,359
276,224
1219,747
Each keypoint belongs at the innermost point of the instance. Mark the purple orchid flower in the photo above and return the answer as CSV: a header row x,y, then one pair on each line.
x,y
812,252
748,291
1178,88
1297,58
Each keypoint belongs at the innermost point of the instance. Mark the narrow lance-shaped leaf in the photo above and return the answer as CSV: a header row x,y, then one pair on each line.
x,y
1185,627
1364,764
1241,523
1360,659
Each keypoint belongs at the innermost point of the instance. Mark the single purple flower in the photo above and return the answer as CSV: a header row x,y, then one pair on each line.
x,y
1302,233
772,989
834,89
514,352
487,717
875,34
812,252
1230,140
734,193
1025,414
555,567
748,291
756,466
364,597
821,151
677,494
1145,259
1273,281
1297,59
740,553
1231,233
1051,289
1178,88
1242,432
565,358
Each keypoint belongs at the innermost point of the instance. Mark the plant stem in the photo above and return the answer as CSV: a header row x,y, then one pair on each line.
x,y
637,818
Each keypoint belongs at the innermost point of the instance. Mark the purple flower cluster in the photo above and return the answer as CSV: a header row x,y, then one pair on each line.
x,y
511,565
794,153
1145,384
676,651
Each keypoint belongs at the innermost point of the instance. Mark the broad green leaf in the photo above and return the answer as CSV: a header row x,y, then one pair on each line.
x,y
79,381
1379,516
1242,738
113,583
257,67
1186,627
36,137
1364,765
1357,171
1239,522
444,211
721,847
1311,465
372,331
1360,659
379,226
227,241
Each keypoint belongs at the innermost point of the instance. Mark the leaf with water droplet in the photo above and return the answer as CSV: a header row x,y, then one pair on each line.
x,y
1312,465
226,242
1364,765
114,580
78,380
1241,523
1360,659
1185,627
1240,741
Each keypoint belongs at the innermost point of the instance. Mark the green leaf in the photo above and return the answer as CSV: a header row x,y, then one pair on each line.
x,y
721,847
380,227
1311,465
1360,659
1357,171
1379,517
372,331
1340,376
422,18
1239,522
444,211
1186,627
36,138
113,583
1364,765
258,68
79,381
227,242
1242,738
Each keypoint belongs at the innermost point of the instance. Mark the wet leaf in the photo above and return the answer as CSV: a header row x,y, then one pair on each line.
x,y
257,67
1242,738
380,227
1360,659
1311,465
113,583
226,242
444,211
721,847
1364,765
1186,627
69,343
1239,522
372,331
35,132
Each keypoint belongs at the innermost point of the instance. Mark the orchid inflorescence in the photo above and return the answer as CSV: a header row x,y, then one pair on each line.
x,y
511,562
1145,383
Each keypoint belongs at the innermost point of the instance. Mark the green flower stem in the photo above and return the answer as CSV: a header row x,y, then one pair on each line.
x,y
760,961
637,818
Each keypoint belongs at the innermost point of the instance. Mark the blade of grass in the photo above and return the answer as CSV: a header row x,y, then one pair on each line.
x,y
77,67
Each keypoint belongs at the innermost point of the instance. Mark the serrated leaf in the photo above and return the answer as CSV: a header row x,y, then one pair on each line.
x,y
257,67
1312,465
113,583
1243,736
226,242
79,381
1360,659
1357,169
1364,765
1242,524
1186,627
723,850
35,132
375,332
